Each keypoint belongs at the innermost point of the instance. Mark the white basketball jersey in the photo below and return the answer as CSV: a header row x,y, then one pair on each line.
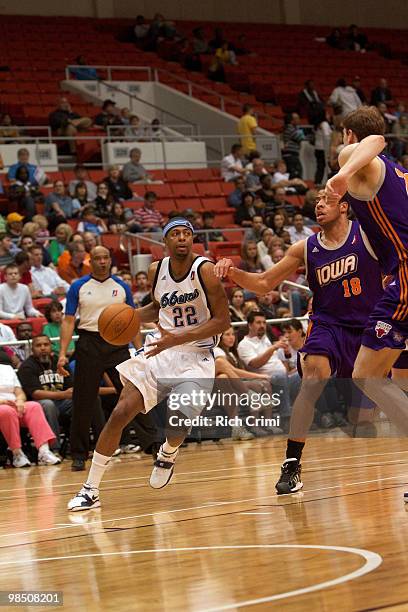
x,y
183,303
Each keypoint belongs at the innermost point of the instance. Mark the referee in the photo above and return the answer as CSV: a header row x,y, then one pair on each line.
x,y
89,295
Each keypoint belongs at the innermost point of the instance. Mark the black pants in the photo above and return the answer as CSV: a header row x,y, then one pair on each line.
x,y
320,166
293,165
94,356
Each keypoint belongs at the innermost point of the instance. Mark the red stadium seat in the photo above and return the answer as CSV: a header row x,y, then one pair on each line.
x,y
184,190
215,204
165,206
209,189
193,203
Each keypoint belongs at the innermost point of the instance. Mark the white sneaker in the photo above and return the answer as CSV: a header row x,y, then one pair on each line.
x,y
21,460
85,499
163,469
129,449
117,452
47,457
240,433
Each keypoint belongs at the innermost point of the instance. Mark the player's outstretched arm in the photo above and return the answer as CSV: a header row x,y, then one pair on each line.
x,y
358,158
266,281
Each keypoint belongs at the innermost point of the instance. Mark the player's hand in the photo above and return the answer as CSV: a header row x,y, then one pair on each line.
x,y
166,341
335,188
62,361
223,267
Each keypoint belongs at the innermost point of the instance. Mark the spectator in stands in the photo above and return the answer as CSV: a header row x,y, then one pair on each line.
x,y
231,165
246,129
335,39
216,71
6,253
208,224
90,241
253,179
226,54
117,222
31,236
322,144
135,130
74,267
344,98
16,412
148,217
109,115
255,232
280,178
104,201
263,244
83,74
199,43
43,234
23,193
24,332
54,315
91,222
63,235
41,382
277,223
381,93
356,83
308,209
250,261
80,198
293,136
357,41
246,210
266,304
46,281
280,203
9,132
59,206
118,188
267,191
133,171
143,288
36,175
235,197
400,131
23,262
81,176
298,231
389,119
236,304
15,227
260,355
65,122
309,102
155,131
218,39
15,298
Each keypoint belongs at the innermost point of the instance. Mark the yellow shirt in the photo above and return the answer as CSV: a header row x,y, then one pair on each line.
x,y
245,126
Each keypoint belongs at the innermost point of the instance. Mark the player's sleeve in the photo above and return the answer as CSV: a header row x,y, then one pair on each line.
x,y
72,300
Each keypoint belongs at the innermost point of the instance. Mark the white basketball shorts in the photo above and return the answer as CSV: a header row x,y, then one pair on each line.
x,y
179,372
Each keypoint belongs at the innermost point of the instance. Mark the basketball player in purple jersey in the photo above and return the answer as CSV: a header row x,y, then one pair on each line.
x,y
344,275
377,190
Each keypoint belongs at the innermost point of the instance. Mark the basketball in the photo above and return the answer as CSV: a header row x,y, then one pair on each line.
x,y
118,324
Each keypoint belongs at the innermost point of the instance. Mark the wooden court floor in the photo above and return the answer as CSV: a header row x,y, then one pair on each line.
x,y
217,538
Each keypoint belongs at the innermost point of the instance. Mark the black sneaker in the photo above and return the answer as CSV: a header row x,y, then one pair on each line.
x,y
78,465
289,481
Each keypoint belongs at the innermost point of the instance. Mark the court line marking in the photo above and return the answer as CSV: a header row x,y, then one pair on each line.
x,y
228,469
201,507
372,561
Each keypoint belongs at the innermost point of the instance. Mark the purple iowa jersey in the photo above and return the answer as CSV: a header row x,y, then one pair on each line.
x,y
384,219
346,281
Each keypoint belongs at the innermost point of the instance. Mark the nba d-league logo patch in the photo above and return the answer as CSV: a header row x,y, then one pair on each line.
x,y
114,292
382,329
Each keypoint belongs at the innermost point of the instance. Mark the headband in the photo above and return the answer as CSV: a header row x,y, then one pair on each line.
x,y
177,223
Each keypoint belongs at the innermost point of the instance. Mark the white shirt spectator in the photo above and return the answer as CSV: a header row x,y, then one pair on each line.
x,y
16,302
47,280
6,334
346,97
251,347
218,352
322,136
228,167
277,177
295,236
292,360
9,382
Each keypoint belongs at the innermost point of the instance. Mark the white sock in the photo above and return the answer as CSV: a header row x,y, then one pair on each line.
x,y
44,447
98,467
169,450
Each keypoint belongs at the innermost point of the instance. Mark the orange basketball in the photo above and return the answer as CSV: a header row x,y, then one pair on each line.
x,y
118,324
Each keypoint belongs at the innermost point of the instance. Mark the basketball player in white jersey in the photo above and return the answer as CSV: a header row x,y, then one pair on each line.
x,y
191,308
